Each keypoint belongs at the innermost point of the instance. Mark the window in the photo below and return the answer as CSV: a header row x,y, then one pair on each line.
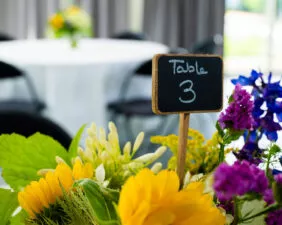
x,y
253,30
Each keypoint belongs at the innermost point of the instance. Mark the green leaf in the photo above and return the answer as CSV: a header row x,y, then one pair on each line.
x,y
75,142
101,200
250,208
19,218
219,130
21,158
8,204
231,135
274,149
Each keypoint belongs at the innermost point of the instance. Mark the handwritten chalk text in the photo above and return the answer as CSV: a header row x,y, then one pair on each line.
x,y
180,66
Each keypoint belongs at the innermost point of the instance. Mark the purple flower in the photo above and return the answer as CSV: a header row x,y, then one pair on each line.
x,y
274,218
239,179
238,115
278,178
268,196
228,206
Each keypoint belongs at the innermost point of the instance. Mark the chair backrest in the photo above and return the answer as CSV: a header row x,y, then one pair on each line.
x,y
5,37
129,35
8,71
178,50
208,46
27,124
145,69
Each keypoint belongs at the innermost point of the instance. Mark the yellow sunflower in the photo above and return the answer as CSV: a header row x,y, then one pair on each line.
x,y
149,199
41,194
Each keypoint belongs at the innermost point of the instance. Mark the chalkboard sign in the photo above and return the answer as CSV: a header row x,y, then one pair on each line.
x,y
187,83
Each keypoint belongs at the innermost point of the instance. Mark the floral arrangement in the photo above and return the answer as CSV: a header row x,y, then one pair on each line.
x,y
72,23
102,183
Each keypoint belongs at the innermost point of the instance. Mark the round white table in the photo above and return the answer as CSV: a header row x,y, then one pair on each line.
x,y
76,84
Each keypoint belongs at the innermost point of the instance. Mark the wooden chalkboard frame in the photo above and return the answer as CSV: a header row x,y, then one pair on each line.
x,y
155,86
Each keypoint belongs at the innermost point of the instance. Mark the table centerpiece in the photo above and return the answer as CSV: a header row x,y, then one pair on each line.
x,y
103,183
72,23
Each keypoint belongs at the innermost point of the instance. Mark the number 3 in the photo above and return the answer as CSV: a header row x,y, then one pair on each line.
x,y
188,89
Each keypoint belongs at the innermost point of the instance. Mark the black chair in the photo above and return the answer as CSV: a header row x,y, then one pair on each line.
x,y
211,45
129,35
5,37
27,124
34,105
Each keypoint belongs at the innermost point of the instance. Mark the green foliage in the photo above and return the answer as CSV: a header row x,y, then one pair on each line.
x,y
250,208
219,130
274,149
19,218
253,5
102,201
21,158
75,142
72,209
231,135
248,46
8,204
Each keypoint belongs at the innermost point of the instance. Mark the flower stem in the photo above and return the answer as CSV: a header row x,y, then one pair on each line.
x,y
237,212
267,165
221,153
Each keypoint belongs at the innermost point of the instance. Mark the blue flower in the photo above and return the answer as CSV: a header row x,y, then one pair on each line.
x,y
269,127
264,92
247,81
250,152
275,172
257,111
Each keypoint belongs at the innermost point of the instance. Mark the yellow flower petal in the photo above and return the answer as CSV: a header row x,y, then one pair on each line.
x,y
32,200
46,189
41,194
149,199
167,182
64,174
88,170
25,204
38,192
77,170
161,217
54,186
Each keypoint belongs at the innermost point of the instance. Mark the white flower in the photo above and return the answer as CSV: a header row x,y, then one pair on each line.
x,y
100,173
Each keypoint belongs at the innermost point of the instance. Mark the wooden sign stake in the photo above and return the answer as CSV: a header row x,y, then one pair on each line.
x,y
182,145
184,84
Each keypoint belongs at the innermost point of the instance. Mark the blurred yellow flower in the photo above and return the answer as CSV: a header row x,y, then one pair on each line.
x,y
41,194
72,10
57,21
149,199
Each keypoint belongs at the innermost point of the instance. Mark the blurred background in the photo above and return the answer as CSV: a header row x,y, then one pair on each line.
x,y
246,33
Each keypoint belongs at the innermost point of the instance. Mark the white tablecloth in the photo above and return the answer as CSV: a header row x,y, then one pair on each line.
x,y
77,83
